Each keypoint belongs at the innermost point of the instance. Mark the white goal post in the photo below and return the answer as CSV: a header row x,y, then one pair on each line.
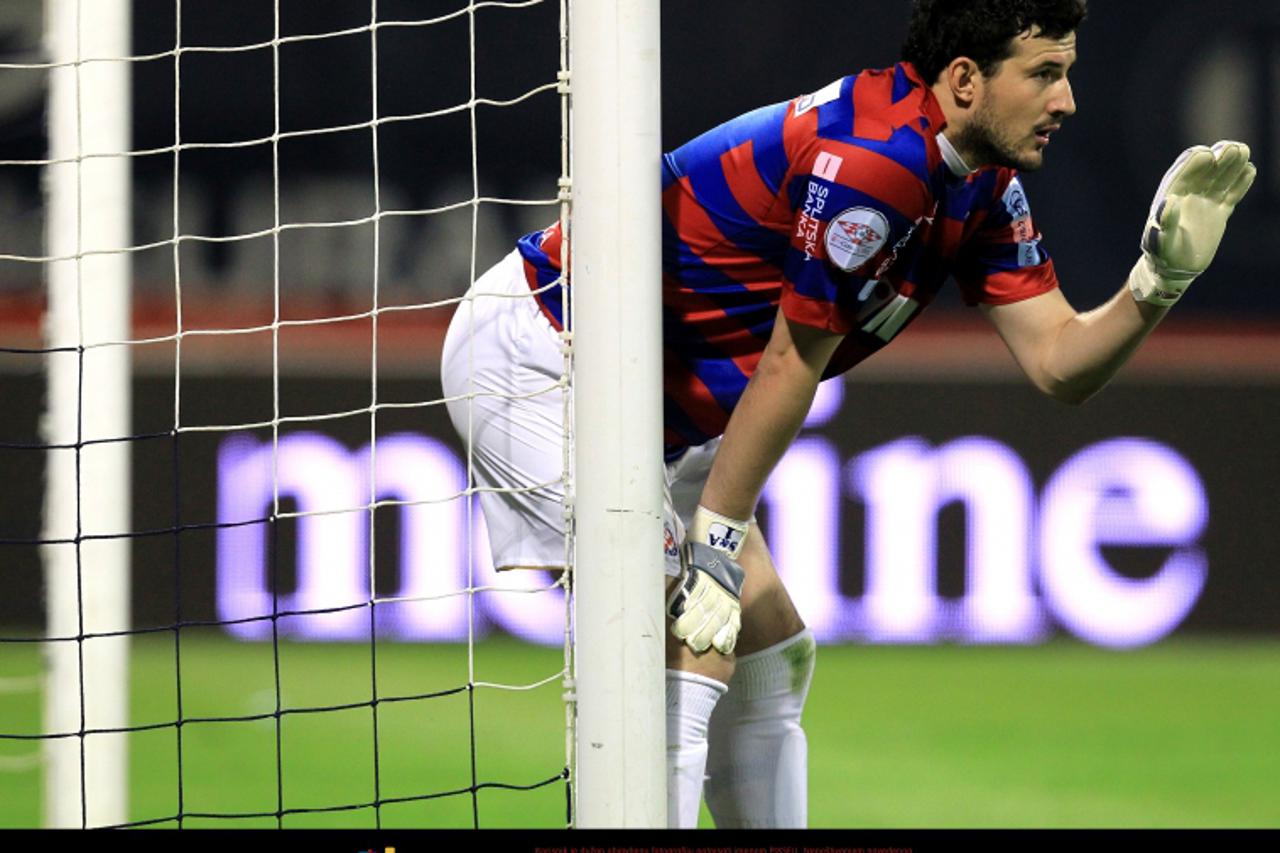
x,y
617,340
87,485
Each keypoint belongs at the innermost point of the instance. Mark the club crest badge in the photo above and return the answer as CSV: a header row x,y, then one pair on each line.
x,y
855,236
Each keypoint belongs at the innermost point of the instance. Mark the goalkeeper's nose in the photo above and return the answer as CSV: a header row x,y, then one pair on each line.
x,y
1063,102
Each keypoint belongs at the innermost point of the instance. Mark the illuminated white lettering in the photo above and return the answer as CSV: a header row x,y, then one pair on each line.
x,y
826,402
428,478
1127,491
904,485
437,575
999,603
1123,492
322,477
897,484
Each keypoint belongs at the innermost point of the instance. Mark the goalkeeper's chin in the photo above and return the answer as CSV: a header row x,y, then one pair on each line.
x,y
1031,161
1028,157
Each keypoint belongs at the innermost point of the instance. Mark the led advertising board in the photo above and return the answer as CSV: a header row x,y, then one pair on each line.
x,y
906,512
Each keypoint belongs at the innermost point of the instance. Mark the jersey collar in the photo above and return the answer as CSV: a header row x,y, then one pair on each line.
x,y
932,110
952,157
930,106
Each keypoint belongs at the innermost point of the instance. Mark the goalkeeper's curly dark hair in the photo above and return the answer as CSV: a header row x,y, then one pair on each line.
x,y
983,30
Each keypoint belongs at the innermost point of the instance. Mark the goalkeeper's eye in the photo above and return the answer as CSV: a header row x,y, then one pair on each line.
x,y
1049,73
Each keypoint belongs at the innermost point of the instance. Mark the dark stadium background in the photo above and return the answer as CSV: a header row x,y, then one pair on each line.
x,y
1153,77
1054,733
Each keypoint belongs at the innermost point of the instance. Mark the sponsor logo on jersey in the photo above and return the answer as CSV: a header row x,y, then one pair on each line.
x,y
855,236
1015,201
1029,253
893,253
808,223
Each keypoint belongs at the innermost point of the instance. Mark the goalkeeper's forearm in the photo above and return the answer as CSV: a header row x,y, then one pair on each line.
x,y
1090,348
768,416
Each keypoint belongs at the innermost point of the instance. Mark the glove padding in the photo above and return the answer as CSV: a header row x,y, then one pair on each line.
x,y
706,603
1187,219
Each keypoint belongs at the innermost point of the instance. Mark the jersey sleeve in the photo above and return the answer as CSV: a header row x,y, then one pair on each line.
x,y
1004,261
853,207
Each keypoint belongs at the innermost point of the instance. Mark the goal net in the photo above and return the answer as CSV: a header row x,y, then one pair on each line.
x,y
258,219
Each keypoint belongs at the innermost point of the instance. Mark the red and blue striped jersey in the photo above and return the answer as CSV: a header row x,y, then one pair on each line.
x,y
837,207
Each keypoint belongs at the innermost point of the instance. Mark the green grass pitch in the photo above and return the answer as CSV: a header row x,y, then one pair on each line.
x,y
1181,734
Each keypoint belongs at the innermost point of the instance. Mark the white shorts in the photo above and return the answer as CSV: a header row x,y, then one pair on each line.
x,y
501,348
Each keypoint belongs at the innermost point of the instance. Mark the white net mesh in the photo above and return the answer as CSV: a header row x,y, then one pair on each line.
x,y
313,188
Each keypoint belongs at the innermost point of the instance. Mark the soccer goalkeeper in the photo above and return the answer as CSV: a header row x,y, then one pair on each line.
x,y
799,239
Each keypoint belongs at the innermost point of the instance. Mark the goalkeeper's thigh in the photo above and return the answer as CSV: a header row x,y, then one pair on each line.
x,y
758,761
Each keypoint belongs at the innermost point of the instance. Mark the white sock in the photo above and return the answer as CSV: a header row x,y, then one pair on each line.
x,y
690,700
758,762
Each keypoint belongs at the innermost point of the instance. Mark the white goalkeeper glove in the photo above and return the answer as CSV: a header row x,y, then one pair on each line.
x,y
706,603
1187,218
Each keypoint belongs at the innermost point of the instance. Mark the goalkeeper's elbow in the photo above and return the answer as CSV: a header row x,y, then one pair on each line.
x,y
1075,396
1073,392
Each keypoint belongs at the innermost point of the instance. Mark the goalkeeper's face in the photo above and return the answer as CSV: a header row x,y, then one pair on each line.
x,y
1023,103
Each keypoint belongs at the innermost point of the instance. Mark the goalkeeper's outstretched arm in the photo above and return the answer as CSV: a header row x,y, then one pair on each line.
x,y
1072,356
